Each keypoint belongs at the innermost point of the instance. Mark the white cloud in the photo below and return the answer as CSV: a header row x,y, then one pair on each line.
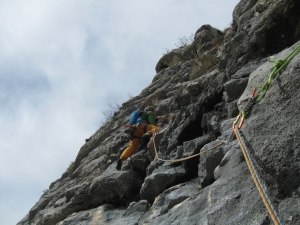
x,y
61,63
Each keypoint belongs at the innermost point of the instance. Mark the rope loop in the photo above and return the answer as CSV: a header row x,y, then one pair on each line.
x,y
278,63
186,158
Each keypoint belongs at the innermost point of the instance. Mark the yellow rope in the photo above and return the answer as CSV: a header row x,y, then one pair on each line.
x,y
254,177
259,188
186,158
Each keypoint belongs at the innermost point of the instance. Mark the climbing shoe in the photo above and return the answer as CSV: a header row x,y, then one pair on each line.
x,y
119,164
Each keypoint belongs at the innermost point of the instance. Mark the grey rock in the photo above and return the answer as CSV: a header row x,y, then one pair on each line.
x,y
184,98
168,199
235,88
289,215
85,169
206,39
213,32
24,221
113,187
161,179
246,70
274,142
40,205
228,200
255,32
169,59
193,146
193,88
105,214
226,129
138,163
208,162
133,213
232,108
60,202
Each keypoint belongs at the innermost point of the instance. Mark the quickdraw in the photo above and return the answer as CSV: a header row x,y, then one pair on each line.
x,y
279,65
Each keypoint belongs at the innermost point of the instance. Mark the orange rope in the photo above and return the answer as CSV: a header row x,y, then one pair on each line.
x,y
259,188
254,177
186,158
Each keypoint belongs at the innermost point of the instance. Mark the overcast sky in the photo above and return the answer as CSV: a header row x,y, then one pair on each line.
x,y
62,62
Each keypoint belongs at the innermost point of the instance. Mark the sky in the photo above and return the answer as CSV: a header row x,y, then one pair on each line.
x,y
62,62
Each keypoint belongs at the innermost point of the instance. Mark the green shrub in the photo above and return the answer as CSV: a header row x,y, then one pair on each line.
x,y
109,113
201,64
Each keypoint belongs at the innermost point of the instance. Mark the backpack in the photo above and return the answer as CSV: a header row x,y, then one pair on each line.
x,y
134,120
135,117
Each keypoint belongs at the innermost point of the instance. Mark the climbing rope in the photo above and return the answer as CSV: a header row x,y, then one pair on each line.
x,y
262,191
259,185
186,158
255,177
279,65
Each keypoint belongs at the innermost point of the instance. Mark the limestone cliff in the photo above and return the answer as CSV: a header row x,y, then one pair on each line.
x,y
200,89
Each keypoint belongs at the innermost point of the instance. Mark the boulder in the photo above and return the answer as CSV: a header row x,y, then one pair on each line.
x,y
259,28
208,162
171,58
234,89
161,179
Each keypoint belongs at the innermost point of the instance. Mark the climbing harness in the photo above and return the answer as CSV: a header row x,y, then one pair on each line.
x,y
130,129
279,65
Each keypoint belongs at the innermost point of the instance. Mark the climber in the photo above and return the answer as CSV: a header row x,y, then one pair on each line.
x,y
148,125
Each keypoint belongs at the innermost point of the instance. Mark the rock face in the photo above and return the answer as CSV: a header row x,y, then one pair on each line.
x,y
200,89
260,28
